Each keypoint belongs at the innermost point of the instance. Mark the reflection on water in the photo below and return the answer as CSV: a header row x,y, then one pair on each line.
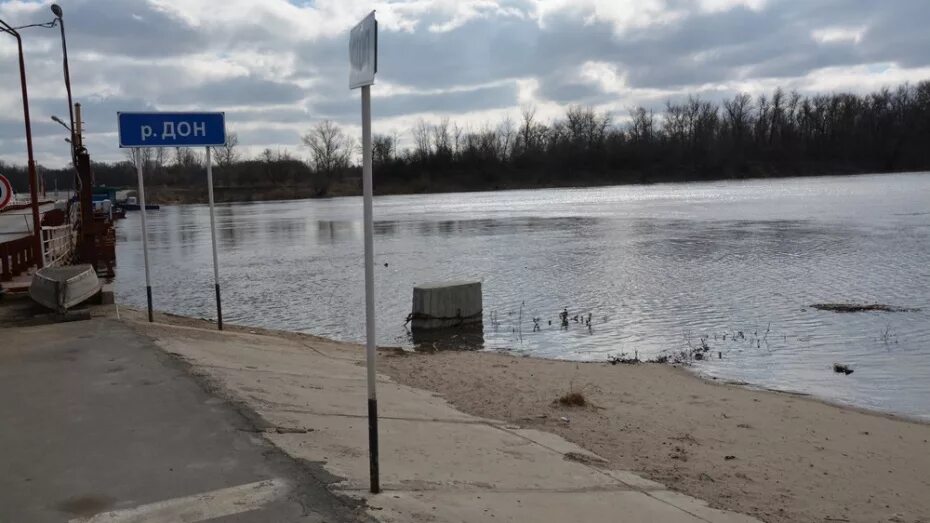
x,y
657,268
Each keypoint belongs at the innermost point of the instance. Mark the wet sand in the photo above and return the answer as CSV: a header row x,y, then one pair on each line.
x,y
779,457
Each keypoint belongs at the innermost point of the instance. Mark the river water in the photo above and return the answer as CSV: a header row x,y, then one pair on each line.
x,y
656,267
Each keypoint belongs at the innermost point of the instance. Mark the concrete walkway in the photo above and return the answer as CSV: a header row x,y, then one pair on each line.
x,y
437,464
98,424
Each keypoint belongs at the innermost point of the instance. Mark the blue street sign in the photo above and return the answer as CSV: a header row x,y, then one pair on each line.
x,y
171,129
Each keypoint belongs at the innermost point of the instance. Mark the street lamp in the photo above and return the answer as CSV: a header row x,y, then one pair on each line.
x,y
33,178
56,10
62,123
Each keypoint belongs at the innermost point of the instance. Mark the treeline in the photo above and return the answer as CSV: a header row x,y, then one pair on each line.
x,y
177,175
778,134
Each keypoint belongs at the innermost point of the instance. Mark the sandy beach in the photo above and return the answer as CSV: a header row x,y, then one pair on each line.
x,y
776,456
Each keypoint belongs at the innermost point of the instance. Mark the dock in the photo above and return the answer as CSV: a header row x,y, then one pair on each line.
x,y
17,261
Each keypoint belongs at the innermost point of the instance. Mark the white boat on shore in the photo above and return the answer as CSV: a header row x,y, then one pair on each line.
x,y
61,288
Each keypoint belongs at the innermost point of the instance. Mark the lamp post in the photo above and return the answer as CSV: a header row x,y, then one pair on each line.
x,y
33,178
63,124
56,10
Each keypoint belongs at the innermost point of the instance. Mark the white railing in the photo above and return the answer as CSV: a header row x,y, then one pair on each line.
x,y
56,245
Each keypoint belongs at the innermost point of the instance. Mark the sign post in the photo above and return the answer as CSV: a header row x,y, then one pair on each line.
x,y
145,240
142,130
216,268
363,59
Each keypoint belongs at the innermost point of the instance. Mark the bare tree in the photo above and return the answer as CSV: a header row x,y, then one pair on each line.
x,y
442,140
227,154
585,128
642,125
330,148
186,158
738,117
422,141
143,155
506,135
383,148
527,138
159,159
456,140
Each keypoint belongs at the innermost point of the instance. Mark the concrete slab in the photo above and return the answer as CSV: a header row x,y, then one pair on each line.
x,y
521,507
557,444
438,455
296,378
699,508
634,480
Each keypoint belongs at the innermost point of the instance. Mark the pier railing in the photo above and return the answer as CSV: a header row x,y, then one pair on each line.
x,y
16,256
57,245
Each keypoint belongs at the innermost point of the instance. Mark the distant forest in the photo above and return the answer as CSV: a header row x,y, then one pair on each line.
x,y
774,135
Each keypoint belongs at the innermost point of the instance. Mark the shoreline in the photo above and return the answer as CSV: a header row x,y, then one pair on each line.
x,y
687,370
891,415
188,195
776,455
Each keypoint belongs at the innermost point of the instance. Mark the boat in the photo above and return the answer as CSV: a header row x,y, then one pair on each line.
x,y
132,204
61,288
136,206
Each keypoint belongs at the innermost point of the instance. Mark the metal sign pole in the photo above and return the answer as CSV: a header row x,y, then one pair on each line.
x,y
363,62
371,349
145,241
216,269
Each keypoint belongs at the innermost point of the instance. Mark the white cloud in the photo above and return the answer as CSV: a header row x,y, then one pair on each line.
x,y
622,14
715,6
862,78
830,35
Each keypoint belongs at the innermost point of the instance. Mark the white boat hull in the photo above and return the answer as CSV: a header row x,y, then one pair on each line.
x,y
61,288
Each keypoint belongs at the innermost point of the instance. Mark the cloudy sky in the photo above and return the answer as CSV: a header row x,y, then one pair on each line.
x,y
277,67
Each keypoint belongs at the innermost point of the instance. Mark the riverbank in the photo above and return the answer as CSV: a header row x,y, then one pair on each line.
x,y
307,396
352,186
779,457
776,456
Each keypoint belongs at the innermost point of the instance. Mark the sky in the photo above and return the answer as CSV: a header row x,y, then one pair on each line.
x,y
278,67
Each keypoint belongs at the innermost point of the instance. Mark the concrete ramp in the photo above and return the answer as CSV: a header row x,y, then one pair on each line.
x,y
437,463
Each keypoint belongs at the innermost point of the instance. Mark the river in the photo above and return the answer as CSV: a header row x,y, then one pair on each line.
x,y
656,267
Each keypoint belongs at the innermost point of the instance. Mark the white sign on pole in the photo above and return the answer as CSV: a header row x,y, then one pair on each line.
x,y
363,60
363,52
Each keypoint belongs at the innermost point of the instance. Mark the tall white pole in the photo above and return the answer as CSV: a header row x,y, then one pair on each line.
x,y
145,241
216,267
371,349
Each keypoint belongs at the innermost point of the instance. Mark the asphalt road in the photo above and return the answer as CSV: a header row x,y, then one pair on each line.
x,y
96,423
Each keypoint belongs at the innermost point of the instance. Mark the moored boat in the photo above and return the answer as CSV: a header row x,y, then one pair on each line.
x,y
132,204
61,288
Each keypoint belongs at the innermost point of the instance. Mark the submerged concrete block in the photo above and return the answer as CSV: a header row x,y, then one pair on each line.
x,y
446,304
105,296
